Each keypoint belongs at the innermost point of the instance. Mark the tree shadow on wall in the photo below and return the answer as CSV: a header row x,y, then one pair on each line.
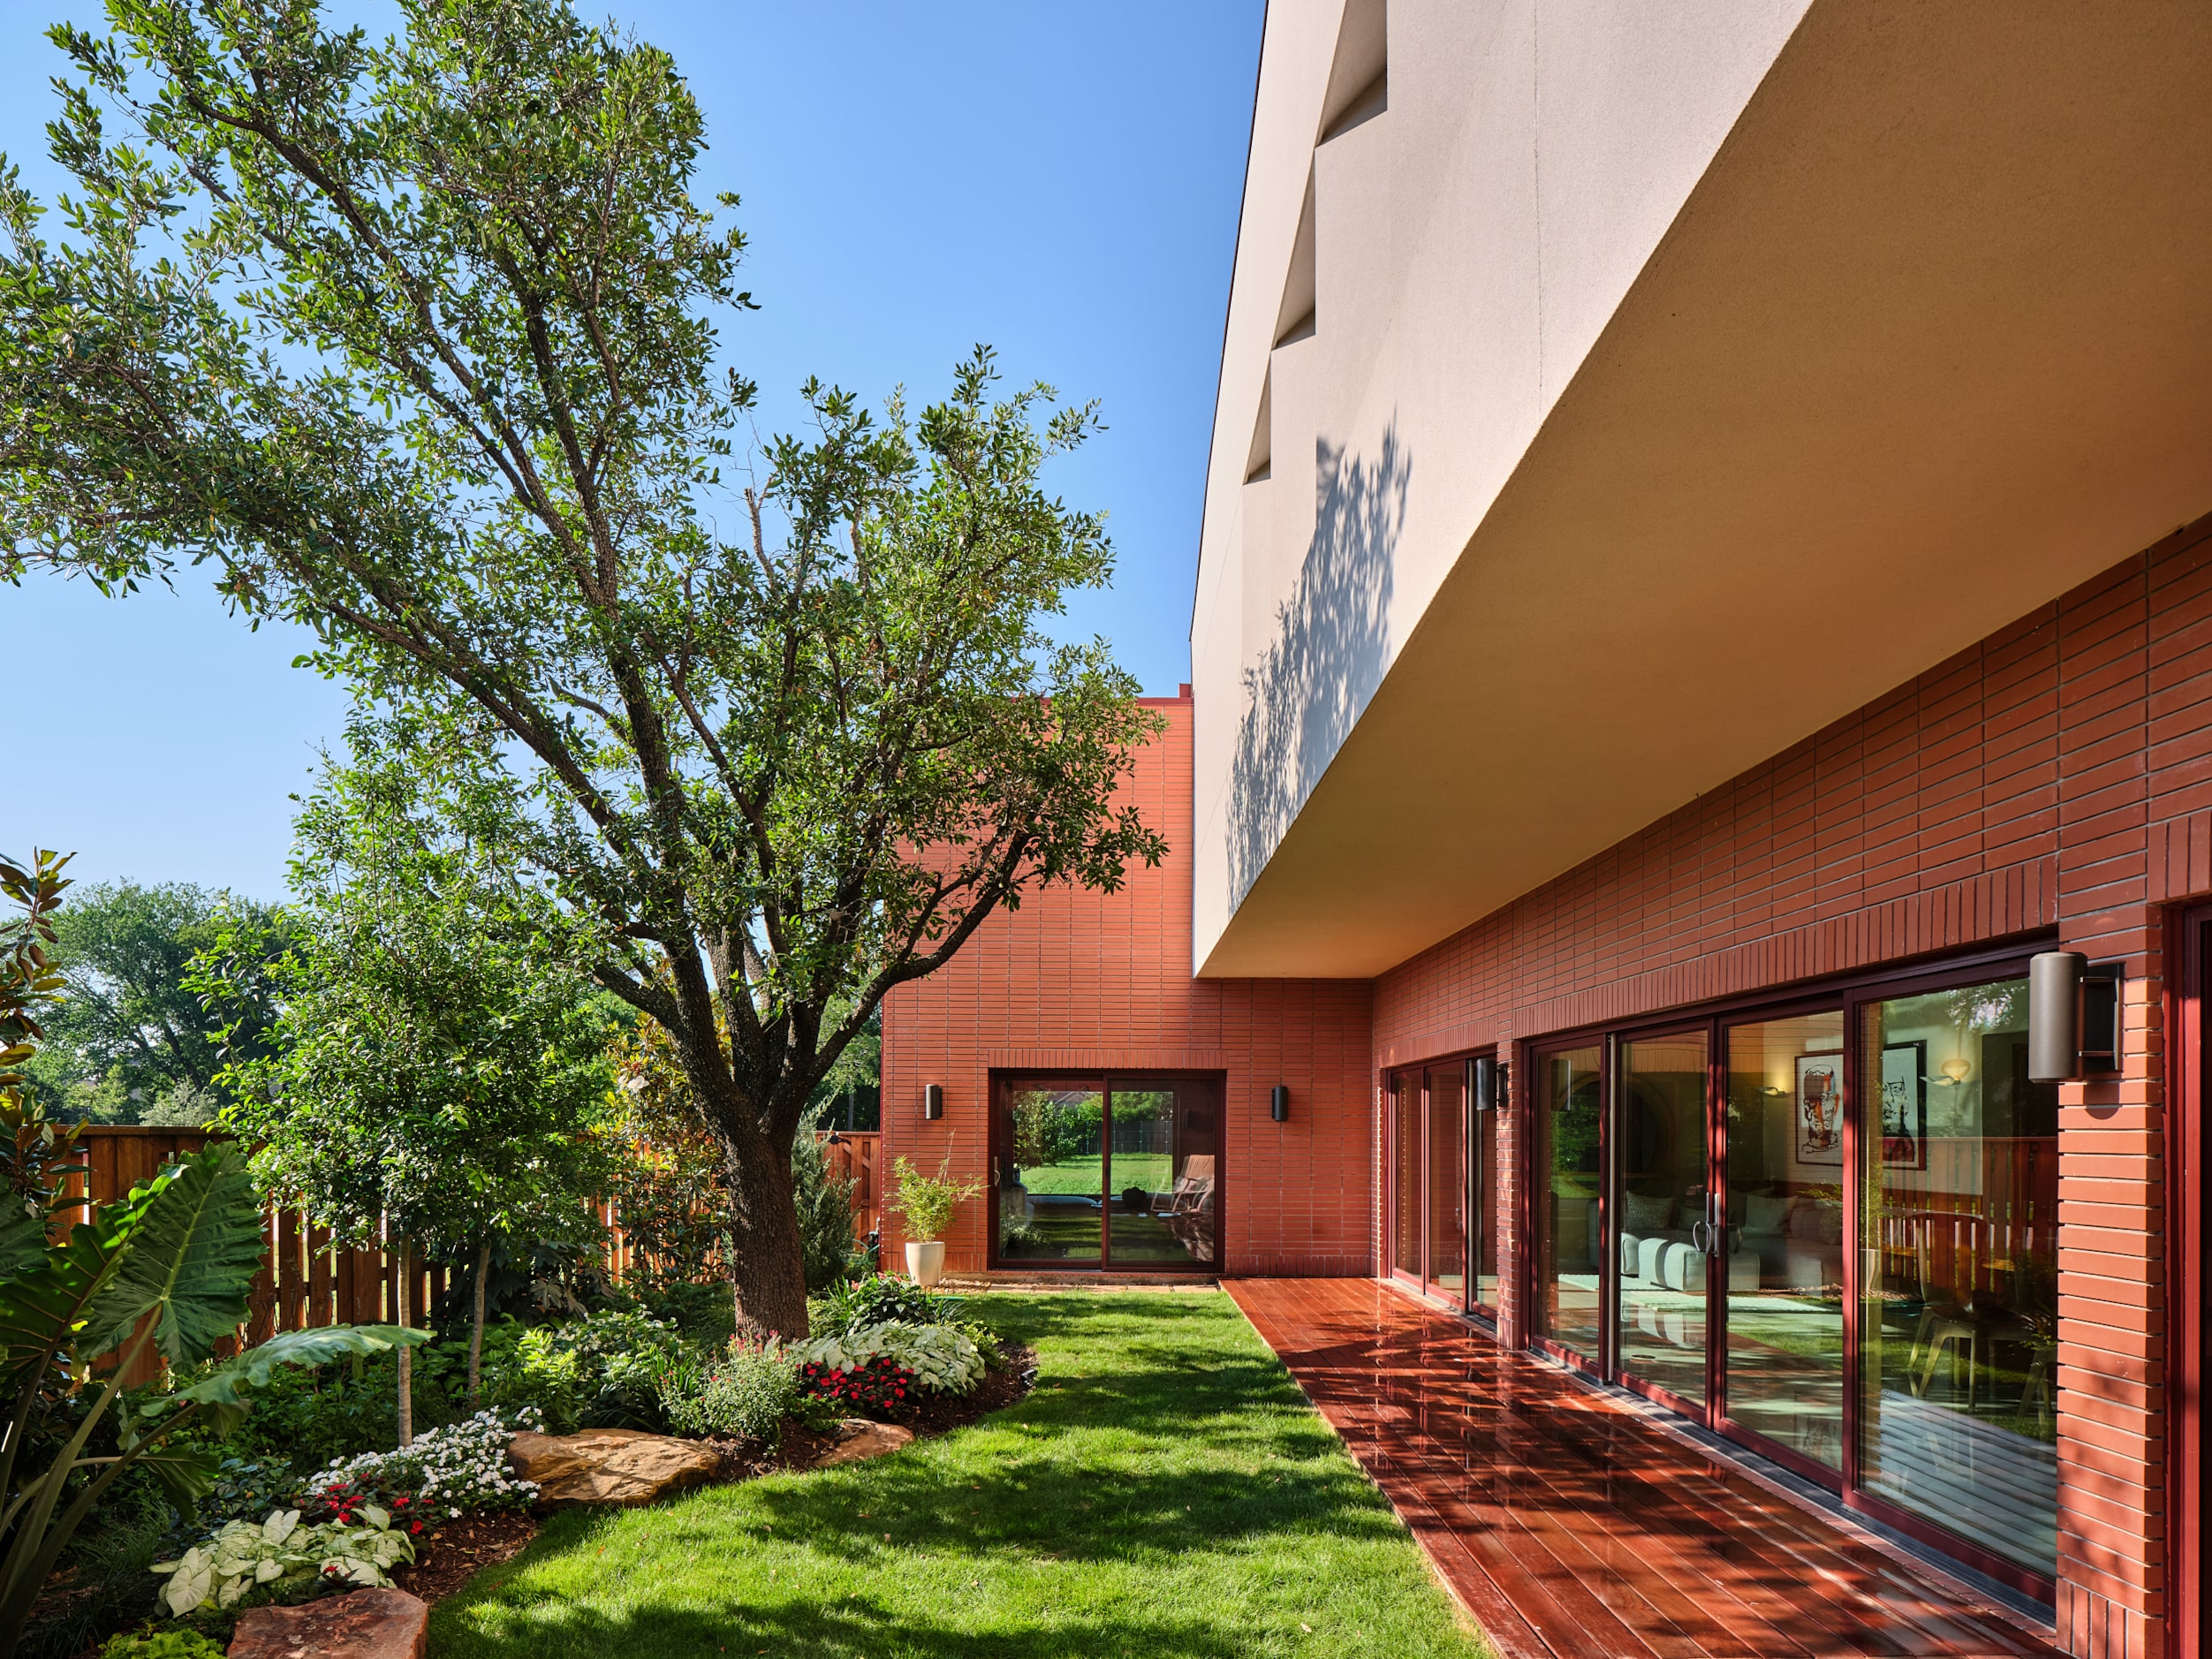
x,y
1330,643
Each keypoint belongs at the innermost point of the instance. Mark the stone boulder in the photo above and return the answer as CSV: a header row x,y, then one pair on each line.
x,y
362,1625
609,1466
859,1438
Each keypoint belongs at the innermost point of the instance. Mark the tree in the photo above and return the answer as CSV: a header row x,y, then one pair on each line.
x,y
438,1070
417,343
129,1034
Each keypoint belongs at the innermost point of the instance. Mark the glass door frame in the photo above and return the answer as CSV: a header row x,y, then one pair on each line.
x,y
1104,1081
1854,994
1420,1283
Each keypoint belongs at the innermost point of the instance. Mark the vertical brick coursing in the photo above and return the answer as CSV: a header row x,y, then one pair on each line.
x,y
1092,981
2057,775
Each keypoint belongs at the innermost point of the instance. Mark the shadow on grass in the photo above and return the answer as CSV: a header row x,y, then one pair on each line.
x,y
1094,1466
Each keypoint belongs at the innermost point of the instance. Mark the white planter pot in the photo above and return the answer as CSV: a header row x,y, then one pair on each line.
x,y
925,1262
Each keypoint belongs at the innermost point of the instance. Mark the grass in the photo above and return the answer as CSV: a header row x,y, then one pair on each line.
x,y
1165,1491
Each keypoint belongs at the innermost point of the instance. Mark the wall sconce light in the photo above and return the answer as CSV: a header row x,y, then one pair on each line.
x,y
2074,1017
1957,1070
1279,1103
1485,1083
933,1101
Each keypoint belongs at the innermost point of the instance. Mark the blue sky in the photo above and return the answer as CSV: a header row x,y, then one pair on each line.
x,y
1059,181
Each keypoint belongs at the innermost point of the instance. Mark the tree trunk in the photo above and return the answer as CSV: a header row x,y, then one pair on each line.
x,y
766,1268
400,1311
476,1331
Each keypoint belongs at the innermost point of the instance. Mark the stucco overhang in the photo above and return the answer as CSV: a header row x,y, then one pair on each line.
x,y
1929,343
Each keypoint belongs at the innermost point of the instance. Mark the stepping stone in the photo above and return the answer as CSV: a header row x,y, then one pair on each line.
x,y
361,1625
609,1466
859,1438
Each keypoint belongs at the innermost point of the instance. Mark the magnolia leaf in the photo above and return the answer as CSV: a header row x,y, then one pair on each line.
x,y
228,1385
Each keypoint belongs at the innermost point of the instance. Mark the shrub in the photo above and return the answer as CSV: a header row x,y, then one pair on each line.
x,y
280,1558
248,1487
928,1202
454,1470
744,1396
825,1212
883,1300
603,1371
879,1384
162,1644
940,1358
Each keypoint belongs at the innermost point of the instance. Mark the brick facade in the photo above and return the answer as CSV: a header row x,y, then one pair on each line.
x,y
2053,781
1086,982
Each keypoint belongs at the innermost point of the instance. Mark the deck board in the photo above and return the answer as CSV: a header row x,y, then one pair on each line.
x,y
1570,1526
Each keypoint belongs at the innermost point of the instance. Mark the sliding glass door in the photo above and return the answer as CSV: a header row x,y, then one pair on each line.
x,y
1782,1355
1829,1232
1106,1172
1426,1125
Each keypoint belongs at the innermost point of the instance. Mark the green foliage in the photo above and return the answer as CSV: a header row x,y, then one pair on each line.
x,y
279,1557
246,1487
35,1156
167,1267
943,1358
928,1202
825,1213
603,1371
417,344
883,1299
162,1644
131,1032
744,1395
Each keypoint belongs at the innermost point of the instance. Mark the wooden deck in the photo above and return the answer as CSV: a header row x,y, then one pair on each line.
x,y
1570,1526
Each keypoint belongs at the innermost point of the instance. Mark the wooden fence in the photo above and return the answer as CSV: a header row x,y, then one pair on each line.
x,y
306,1281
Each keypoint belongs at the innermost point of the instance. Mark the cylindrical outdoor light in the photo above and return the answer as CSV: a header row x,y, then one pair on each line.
x,y
1279,1103
1485,1074
933,1101
2054,1016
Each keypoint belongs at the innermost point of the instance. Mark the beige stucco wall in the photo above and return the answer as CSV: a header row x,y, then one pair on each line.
x,y
1470,243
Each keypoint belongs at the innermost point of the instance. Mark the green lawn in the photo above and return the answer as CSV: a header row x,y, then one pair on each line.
x,y
1166,1491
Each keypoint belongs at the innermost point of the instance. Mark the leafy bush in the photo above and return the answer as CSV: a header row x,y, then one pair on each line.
x,y
942,1358
825,1212
163,1644
603,1371
878,1384
986,1341
246,1488
702,1313
458,1469
280,1558
882,1302
744,1396
928,1202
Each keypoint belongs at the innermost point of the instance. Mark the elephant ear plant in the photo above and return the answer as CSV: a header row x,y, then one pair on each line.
x,y
168,1267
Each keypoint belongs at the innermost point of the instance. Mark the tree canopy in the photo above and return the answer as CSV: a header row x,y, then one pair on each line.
x,y
419,342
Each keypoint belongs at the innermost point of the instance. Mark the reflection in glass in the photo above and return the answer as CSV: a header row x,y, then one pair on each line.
x,y
1570,1092
1447,1178
1485,1263
1958,1324
1405,1187
1162,1172
1661,1210
1051,1184
1784,1360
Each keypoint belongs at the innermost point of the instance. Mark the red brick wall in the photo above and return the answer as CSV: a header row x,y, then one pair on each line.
x,y
2057,775
1083,981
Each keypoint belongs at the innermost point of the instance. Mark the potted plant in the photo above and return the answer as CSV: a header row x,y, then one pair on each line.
x,y
926,1202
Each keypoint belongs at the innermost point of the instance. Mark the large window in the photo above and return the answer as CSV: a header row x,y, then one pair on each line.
x,y
1828,1229
1107,1172
1426,1125
1958,1225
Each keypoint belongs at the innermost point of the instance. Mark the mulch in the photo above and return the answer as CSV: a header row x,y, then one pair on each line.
x,y
462,1548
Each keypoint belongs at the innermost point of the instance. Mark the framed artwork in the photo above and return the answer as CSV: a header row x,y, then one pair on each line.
x,y
1820,1108
1904,1104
